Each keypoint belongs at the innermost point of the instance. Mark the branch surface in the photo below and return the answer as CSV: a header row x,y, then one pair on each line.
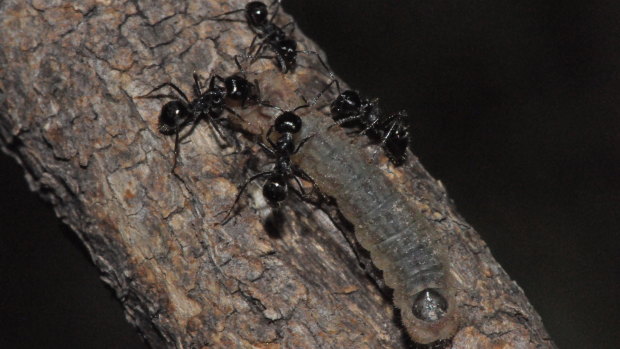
x,y
69,75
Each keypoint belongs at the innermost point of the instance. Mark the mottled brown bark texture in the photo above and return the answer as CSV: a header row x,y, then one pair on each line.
x,y
70,72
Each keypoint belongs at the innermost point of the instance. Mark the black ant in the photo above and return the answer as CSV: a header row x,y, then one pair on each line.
x,y
270,35
208,104
350,110
397,140
276,188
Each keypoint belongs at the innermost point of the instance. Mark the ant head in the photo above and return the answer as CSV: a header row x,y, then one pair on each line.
x,y
286,49
396,145
256,13
237,88
348,103
275,189
288,122
171,117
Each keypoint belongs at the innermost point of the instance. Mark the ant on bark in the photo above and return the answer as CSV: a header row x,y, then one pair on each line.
x,y
209,104
276,188
350,110
269,35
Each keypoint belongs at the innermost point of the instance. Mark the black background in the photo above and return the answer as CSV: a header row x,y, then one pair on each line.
x,y
514,105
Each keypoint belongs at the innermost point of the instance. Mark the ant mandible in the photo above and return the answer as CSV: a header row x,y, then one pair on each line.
x,y
276,188
209,104
270,35
350,110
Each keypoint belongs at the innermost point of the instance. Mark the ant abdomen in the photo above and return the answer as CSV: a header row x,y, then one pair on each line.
x,y
275,190
256,14
174,115
396,145
238,89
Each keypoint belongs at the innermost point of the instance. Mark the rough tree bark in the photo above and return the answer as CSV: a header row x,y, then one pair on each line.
x,y
70,72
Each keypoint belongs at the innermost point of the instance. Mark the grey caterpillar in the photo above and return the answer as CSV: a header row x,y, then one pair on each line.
x,y
400,240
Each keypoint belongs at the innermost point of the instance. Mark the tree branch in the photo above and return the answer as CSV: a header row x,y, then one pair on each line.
x,y
70,75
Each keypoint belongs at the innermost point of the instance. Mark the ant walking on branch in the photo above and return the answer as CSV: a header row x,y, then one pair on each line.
x,y
269,35
276,187
350,110
220,95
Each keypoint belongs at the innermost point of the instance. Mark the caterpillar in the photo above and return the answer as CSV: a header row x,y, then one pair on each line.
x,y
401,243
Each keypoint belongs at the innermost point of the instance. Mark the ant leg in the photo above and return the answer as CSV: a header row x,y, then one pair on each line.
x,y
227,19
303,98
258,96
197,88
232,112
269,105
241,190
267,150
275,13
252,43
308,52
327,87
258,54
302,106
258,51
303,175
212,81
169,84
176,149
178,139
394,120
306,177
241,70
281,64
396,117
369,127
303,196
217,17
401,114
194,125
303,141
275,1
218,77
256,57
268,136
301,192
213,125
291,23
301,187
216,127
345,120
388,134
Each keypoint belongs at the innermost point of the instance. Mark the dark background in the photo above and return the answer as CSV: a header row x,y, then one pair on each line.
x,y
514,105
